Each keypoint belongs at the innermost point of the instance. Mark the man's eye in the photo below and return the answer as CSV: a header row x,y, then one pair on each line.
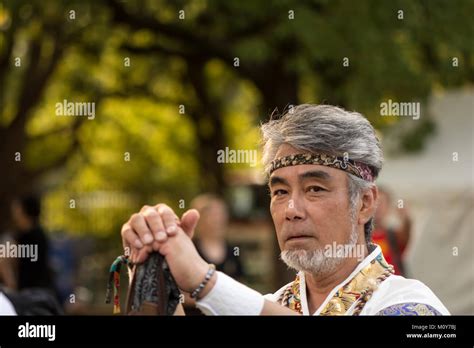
x,y
315,189
279,192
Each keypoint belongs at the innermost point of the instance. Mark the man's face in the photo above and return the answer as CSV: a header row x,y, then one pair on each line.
x,y
310,206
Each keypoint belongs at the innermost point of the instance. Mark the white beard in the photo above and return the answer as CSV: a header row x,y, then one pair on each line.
x,y
315,261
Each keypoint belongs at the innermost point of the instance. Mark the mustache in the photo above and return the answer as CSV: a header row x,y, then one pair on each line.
x,y
298,232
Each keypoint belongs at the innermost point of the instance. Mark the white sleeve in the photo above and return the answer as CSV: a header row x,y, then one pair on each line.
x,y
229,297
6,307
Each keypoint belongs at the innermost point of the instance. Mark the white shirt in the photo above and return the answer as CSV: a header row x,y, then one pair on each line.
x,y
6,307
392,291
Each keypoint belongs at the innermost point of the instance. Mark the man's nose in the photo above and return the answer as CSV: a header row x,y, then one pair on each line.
x,y
294,210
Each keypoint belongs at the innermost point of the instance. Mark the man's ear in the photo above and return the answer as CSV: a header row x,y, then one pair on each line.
x,y
369,204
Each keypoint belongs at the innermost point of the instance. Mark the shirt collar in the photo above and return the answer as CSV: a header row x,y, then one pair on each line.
x,y
360,266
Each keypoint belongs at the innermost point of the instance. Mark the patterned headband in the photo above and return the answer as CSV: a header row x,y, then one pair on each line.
x,y
358,169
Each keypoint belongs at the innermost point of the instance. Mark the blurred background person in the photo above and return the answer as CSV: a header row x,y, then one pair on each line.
x,y
28,282
210,237
392,236
210,240
26,212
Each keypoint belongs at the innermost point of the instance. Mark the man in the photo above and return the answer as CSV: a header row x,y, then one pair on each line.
x,y
321,162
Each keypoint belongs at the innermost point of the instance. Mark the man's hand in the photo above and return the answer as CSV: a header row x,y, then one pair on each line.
x,y
159,229
144,231
186,265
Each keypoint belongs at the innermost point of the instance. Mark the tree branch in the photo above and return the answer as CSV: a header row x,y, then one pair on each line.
x,y
190,39
63,158
156,48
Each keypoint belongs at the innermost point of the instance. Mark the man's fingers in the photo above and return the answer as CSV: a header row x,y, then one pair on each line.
x,y
139,225
143,254
145,207
156,246
154,222
130,238
140,255
145,231
189,221
169,218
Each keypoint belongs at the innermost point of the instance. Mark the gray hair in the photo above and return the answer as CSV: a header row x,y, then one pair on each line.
x,y
328,129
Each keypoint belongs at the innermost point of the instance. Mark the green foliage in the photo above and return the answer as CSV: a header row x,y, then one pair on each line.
x,y
137,106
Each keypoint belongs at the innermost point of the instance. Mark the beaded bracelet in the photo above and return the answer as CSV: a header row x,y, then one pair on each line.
x,y
210,272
